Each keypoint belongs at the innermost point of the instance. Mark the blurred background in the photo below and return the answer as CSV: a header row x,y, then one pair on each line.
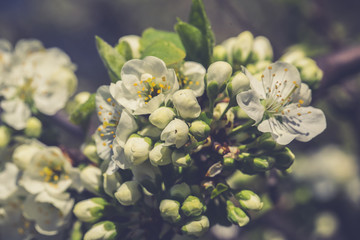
x,y
320,199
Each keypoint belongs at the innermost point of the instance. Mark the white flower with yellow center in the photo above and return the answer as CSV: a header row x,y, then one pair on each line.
x,y
279,104
191,76
50,171
145,84
117,125
36,77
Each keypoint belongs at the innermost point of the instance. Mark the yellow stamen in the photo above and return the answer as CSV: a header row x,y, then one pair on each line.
x,y
109,99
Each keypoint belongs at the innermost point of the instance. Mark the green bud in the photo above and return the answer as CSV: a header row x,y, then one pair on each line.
x,y
91,178
111,182
180,191
267,142
284,159
200,130
238,179
150,131
293,55
218,72
90,210
219,53
81,98
192,206
310,72
5,136
90,152
262,49
169,210
161,117
160,155
102,231
181,159
33,127
128,193
196,227
249,200
262,164
229,162
236,215
243,47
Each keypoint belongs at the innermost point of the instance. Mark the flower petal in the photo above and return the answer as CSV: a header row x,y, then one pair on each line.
x,y
278,131
255,84
195,72
249,101
304,95
16,112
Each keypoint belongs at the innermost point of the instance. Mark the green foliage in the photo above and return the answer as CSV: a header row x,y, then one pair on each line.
x,y
111,58
125,50
83,112
197,36
165,50
151,35
219,189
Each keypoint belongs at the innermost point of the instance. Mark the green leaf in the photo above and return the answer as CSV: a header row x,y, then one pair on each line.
x,y
125,50
220,188
83,112
111,58
199,19
152,35
165,50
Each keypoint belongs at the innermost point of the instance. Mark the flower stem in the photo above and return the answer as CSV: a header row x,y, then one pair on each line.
x,y
225,111
241,127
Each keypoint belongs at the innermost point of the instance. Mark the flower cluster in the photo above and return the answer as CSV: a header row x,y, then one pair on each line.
x,y
33,79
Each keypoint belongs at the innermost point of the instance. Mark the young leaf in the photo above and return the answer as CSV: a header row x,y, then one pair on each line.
x,y
193,42
83,112
125,50
165,50
220,188
111,58
152,35
199,19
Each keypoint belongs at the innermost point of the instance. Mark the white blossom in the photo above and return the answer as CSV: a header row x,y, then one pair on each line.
x,y
191,76
145,84
279,104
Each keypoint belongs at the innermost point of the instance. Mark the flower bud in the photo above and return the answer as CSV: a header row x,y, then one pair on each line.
x,y
262,163
175,133
90,210
249,200
196,227
137,149
111,182
186,104
181,159
33,127
192,206
293,55
102,231
5,136
240,82
134,43
169,210
161,117
262,49
81,98
219,72
200,130
243,47
90,151
91,178
236,215
284,158
219,53
160,155
150,131
266,142
128,193
24,153
180,191
310,72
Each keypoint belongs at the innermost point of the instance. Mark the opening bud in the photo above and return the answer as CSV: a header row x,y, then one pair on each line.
x,y
186,104
137,149
33,127
128,193
161,117
249,200
111,182
90,151
217,74
90,210
181,159
160,155
262,49
200,130
169,210
175,133
102,231
236,215
91,178
243,47
192,206
196,227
